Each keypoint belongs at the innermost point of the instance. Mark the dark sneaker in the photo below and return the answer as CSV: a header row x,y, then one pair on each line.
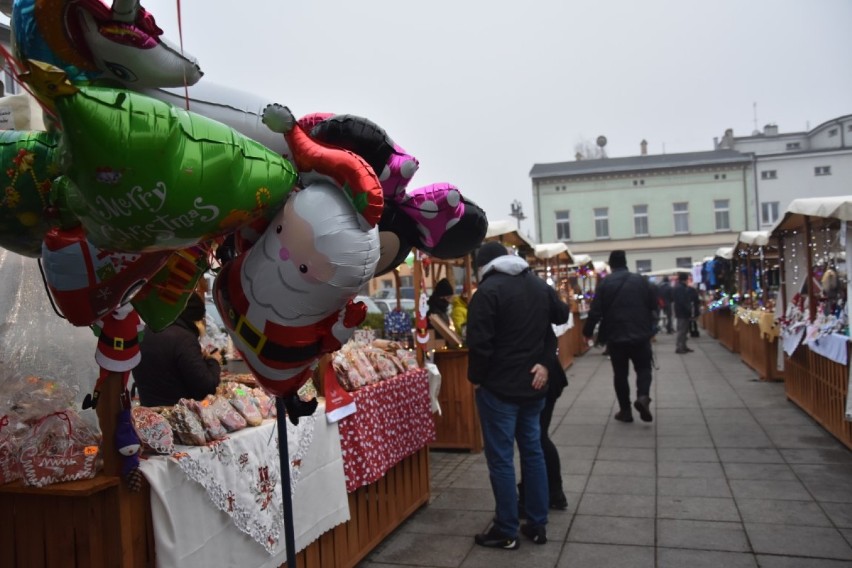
x,y
681,351
535,533
688,350
643,404
624,416
493,539
559,502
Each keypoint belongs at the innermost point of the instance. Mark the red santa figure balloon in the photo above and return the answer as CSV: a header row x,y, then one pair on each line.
x,y
119,333
288,300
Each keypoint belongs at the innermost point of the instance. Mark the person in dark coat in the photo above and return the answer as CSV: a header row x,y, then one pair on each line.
x,y
173,365
439,302
557,381
664,293
626,306
686,307
509,323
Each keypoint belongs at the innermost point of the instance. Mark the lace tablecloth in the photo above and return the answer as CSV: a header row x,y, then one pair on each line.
x,y
220,505
394,420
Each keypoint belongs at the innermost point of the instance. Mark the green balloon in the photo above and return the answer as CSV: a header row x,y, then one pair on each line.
x,y
148,176
28,165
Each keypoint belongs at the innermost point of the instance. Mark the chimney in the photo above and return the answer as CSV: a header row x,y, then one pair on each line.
x,y
643,147
770,130
578,156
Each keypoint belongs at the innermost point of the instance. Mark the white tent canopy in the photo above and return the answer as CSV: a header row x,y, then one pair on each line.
x,y
667,272
509,229
549,250
839,207
725,252
754,238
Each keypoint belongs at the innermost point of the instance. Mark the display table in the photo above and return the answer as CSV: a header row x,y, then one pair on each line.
x,y
393,421
207,501
457,428
758,342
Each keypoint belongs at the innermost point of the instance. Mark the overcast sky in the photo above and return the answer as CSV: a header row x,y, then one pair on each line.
x,y
481,90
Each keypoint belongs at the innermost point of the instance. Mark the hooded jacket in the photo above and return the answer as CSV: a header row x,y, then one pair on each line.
x,y
508,328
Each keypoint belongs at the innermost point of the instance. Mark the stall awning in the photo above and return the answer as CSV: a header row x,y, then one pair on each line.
x,y
507,233
725,252
552,250
667,272
838,207
754,238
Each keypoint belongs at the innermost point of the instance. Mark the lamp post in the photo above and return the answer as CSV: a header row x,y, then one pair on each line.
x,y
518,213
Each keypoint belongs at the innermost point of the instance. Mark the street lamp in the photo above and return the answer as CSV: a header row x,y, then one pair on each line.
x,y
518,212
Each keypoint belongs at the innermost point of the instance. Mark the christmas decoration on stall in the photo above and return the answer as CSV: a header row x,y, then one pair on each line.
x,y
119,334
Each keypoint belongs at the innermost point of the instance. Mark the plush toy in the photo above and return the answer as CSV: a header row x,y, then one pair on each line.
x,y
118,334
128,445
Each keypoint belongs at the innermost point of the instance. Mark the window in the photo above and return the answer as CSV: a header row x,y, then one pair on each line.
x,y
769,212
822,171
643,266
681,217
720,176
793,145
683,262
406,281
601,222
640,220
769,174
638,182
832,133
723,218
563,225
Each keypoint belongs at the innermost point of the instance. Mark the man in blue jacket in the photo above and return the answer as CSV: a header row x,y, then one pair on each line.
x,y
509,319
626,305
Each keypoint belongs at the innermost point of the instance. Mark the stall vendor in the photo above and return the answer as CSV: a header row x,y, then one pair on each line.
x,y
173,365
439,301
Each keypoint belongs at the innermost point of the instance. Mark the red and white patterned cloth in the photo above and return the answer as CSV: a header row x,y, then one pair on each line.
x,y
394,420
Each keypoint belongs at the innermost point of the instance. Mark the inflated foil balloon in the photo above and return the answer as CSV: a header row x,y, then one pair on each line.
x,y
90,40
86,282
28,165
149,176
162,299
289,299
318,161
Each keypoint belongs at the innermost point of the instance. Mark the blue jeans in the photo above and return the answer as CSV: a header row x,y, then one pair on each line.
x,y
503,423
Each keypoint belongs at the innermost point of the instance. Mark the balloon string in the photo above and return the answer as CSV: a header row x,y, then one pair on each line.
x,y
180,36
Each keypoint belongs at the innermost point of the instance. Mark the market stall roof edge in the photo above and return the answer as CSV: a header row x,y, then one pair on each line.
x,y
506,232
836,207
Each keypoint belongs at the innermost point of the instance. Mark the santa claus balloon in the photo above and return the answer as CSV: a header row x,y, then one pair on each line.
x,y
288,300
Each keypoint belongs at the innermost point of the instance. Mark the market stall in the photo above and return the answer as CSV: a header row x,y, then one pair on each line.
x,y
552,261
755,263
353,483
721,299
814,240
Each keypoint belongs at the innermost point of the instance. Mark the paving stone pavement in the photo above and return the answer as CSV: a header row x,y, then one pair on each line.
x,y
729,474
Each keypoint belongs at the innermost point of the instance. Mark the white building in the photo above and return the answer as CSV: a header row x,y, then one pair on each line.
x,y
788,166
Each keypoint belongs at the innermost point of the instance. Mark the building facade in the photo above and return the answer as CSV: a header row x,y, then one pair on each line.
x,y
787,166
665,211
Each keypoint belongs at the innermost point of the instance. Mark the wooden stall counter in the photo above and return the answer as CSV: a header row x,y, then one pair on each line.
x,y
758,343
580,343
726,333
87,523
819,386
457,428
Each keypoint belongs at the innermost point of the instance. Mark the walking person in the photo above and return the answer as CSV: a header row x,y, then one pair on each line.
x,y
626,305
665,297
686,307
509,319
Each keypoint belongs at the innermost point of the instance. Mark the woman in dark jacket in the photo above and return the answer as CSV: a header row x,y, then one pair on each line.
x,y
439,301
173,365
